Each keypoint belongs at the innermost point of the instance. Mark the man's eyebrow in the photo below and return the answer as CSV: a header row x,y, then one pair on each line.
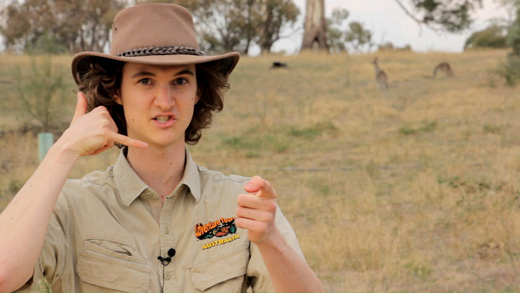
x,y
186,71
148,73
142,73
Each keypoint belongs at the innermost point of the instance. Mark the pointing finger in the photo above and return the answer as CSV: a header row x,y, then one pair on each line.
x,y
261,187
81,106
125,140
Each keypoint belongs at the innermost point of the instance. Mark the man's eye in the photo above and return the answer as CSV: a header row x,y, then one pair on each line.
x,y
145,81
180,81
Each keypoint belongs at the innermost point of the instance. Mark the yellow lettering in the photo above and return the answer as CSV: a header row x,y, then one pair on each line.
x,y
220,242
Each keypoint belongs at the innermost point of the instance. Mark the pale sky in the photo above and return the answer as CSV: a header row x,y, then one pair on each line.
x,y
389,23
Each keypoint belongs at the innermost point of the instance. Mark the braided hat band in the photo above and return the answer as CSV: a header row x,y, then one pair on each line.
x,y
168,50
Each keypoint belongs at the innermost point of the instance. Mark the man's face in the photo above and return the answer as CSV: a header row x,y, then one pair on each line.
x,y
158,102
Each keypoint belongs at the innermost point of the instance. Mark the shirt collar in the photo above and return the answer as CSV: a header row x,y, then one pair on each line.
x,y
130,185
191,177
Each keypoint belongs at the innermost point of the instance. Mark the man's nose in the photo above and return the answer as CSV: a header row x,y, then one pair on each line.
x,y
164,97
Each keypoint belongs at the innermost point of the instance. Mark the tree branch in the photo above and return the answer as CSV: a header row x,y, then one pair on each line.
x,y
419,22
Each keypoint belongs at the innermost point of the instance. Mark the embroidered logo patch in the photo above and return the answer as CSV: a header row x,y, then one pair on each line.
x,y
218,228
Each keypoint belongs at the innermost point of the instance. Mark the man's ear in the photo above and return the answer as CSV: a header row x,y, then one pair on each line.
x,y
117,98
199,94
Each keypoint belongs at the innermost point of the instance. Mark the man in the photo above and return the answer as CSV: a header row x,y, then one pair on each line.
x,y
155,221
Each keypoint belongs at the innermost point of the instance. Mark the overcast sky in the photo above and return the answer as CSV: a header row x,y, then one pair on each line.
x,y
389,23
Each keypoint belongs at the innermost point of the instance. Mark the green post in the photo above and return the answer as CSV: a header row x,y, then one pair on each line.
x,y
45,141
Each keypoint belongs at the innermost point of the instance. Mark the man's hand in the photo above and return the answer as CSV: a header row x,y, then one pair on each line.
x,y
94,132
256,210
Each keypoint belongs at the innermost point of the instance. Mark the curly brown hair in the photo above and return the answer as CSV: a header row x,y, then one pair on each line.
x,y
102,83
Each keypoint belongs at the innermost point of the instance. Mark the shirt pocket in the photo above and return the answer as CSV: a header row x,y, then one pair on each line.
x,y
222,273
107,266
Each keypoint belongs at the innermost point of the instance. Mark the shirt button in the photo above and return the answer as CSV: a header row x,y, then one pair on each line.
x,y
167,276
166,231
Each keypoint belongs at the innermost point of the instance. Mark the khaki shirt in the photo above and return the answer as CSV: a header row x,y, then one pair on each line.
x,y
109,228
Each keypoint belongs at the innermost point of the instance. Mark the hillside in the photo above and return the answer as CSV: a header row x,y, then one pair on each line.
x,y
413,188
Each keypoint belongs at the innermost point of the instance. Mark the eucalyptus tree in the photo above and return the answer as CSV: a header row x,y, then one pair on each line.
x,y
55,26
439,15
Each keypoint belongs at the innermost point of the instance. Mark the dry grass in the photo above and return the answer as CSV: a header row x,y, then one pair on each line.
x,y
410,189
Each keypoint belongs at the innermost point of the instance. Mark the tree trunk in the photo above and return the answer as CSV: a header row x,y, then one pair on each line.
x,y
315,31
250,30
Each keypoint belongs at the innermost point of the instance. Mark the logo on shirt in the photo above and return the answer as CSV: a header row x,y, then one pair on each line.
x,y
219,228
220,242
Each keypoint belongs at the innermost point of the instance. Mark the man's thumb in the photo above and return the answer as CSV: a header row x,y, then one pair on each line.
x,y
81,106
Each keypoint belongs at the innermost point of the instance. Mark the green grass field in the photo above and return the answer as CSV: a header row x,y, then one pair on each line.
x,y
414,188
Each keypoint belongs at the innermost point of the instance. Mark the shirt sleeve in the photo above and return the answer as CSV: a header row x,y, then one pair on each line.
x,y
257,272
52,262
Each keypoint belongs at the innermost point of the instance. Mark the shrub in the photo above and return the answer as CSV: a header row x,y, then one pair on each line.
x,y
494,37
40,94
510,70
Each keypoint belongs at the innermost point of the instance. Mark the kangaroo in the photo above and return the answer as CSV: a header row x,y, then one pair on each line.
x,y
444,67
381,77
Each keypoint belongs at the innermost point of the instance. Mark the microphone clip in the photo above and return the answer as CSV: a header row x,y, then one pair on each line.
x,y
166,260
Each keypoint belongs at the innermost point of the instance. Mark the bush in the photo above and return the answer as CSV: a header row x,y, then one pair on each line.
x,y
47,44
494,37
513,35
40,94
510,70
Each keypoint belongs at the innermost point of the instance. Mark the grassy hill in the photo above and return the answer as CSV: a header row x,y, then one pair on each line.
x,y
413,188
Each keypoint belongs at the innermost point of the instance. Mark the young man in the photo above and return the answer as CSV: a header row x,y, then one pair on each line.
x,y
155,221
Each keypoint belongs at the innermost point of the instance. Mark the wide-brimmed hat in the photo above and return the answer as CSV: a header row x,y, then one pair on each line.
x,y
157,34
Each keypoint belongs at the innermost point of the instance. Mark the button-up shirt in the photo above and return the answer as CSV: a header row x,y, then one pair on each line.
x,y
109,229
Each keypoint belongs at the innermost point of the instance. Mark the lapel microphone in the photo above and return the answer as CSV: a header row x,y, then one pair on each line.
x,y
166,260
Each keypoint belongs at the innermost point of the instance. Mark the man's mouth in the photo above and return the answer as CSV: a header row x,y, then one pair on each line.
x,y
162,119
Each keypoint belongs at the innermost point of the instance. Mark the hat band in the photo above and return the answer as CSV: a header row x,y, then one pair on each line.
x,y
169,50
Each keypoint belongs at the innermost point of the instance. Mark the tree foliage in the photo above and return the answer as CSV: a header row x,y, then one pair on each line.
x,y
439,15
59,25
343,37
494,36
358,36
41,93
442,15
274,15
510,69
223,25
335,31
513,35
235,25
502,32
511,7
56,26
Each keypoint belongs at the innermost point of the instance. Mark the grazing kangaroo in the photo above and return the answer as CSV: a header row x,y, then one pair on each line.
x,y
444,67
381,77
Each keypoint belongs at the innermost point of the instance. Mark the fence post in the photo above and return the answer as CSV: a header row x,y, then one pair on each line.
x,y
45,141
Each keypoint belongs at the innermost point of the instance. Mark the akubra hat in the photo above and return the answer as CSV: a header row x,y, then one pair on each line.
x,y
156,34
